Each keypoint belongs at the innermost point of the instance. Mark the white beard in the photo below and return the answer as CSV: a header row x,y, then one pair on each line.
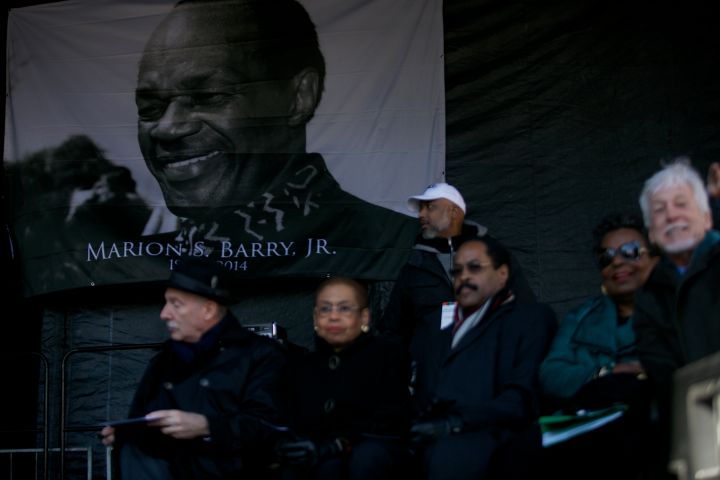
x,y
680,246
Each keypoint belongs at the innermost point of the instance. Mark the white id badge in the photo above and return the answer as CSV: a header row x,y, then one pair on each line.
x,y
448,314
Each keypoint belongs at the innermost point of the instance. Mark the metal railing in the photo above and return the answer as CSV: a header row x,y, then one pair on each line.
x,y
14,452
64,388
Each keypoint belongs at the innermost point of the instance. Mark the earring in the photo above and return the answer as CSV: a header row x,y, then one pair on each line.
x,y
365,328
603,289
315,327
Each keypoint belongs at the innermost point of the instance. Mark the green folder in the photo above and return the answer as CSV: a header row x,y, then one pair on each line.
x,y
560,427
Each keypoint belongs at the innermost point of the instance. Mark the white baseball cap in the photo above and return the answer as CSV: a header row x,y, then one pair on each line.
x,y
435,191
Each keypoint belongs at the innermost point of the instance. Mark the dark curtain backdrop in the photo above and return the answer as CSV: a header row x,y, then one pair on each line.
x,y
557,111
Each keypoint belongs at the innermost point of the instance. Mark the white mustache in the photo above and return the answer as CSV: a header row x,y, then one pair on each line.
x,y
673,226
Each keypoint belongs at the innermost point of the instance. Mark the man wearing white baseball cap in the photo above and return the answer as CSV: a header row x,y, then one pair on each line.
x,y
441,211
421,302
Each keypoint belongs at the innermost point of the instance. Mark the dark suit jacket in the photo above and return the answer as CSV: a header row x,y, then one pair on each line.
x,y
490,378
415,305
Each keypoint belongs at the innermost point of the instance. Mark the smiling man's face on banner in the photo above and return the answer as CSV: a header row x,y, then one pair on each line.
x,y
216,121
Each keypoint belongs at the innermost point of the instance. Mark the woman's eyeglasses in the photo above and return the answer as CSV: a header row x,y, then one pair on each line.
x,y
628,251
343,310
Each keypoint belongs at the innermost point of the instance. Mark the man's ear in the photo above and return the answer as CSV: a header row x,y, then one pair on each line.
x,y
455,212
210,308
504,271
306,88
457,216
708,220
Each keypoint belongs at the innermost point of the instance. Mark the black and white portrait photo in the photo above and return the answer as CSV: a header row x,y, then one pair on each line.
x,y
277,137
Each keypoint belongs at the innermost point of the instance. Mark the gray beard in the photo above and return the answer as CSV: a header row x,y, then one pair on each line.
x,y
433,232
429,234
681,247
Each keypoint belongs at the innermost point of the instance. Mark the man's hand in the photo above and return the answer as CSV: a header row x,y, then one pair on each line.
x,y
179,424
108,435
713,180
430,430
634,368
298,453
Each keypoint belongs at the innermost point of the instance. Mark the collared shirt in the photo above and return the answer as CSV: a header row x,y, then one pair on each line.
x,y
467,323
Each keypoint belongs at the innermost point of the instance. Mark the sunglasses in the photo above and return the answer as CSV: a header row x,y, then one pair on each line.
x,y
472,267
628,251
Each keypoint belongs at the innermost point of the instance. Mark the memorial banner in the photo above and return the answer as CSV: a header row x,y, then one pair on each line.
x,y
279,138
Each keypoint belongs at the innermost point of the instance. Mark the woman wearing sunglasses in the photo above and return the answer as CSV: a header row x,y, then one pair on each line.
x,y
593,362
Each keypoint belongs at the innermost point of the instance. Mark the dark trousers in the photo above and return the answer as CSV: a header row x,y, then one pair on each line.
x,y
136,465
369,459
466,456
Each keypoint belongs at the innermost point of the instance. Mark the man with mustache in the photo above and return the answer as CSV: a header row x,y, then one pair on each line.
x,y
678,309
225,91
486,389
417,307
210,398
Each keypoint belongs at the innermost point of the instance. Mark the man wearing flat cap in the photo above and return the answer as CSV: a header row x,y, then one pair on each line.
x,y
416,310
211,397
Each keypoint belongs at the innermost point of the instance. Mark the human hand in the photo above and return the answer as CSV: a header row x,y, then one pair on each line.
x,y
432,429
634,368
108,435
298,453
713,180
179,424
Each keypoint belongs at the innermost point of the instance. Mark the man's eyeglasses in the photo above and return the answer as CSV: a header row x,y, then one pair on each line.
x,y
628,251
472,267
342,310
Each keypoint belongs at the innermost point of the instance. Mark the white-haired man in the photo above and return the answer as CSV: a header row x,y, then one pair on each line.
x,y
678,309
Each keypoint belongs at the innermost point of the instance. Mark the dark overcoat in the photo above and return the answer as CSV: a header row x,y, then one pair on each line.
x,y
416,301
359,392
238,385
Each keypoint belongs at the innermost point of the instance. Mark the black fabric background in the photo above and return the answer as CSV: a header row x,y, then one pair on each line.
x,y
557,111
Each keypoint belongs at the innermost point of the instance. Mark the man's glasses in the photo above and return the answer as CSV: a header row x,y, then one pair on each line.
x,y
472,267
342,310
628,251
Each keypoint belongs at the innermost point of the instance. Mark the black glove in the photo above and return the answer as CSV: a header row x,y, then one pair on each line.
x,y
306,453
332,447
298,453
431,429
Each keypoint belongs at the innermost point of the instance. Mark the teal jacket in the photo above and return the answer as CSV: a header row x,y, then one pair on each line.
x,y
589,338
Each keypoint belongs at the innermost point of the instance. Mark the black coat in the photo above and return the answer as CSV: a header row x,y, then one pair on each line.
x,y
677,321
238,385
678,318
357,392
490,378
488,385
415,305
